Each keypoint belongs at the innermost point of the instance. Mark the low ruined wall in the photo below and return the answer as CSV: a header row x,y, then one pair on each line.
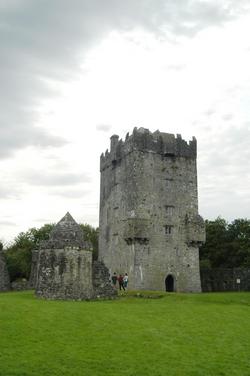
x,y
20,285
4,275
101,281
70,274
64,274
222,279
33,271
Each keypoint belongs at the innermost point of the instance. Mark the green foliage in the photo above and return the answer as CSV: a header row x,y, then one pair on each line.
x,y
36,235
227,244
19,253
91,236
179,334
18,257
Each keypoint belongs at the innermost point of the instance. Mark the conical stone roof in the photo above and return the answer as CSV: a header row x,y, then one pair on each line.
x,y
66,233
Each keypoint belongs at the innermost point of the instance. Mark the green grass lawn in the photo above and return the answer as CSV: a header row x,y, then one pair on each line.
x,y
173,334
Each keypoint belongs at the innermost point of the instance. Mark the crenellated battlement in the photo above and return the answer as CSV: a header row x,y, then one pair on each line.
x,y
149,221
143,140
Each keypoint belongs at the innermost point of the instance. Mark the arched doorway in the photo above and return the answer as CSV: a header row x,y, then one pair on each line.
x,y
169,283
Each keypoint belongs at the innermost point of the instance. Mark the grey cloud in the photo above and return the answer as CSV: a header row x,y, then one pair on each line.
x,y
70,193
238,135
194,16
176,67
227,117
234,90
48,39
54,178
209,112
20,135
223,170
42,220
7,223
103,127
8,191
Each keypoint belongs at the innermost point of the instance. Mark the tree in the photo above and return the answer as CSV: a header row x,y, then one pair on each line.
x,y
227,245
19,253
91,236
212,252
18,257
36,235
239,240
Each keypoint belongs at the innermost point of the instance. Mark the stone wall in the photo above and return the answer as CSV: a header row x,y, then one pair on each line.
x,y
101,281
70,274
219,279
33,270
4,275
20,285
149,222
64,274
63,267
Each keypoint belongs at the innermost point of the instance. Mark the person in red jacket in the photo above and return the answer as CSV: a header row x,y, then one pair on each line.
x,y
120,280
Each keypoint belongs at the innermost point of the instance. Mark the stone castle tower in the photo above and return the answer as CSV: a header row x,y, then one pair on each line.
x,y
149,221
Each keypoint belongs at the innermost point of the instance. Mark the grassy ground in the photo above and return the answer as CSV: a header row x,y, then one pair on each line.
x,y
160,335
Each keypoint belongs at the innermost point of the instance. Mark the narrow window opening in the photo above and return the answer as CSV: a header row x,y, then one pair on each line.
x,y
169,210
169,182
116,211
168,229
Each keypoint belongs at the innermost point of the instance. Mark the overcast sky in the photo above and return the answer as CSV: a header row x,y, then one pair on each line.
x,y
74,72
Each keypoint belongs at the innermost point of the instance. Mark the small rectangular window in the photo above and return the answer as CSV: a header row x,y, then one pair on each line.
x,y
115,239
169,210
169,182
116,211
168,230
169,154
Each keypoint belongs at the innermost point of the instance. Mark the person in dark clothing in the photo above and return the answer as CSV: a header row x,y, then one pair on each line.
x,y
120,280
114,279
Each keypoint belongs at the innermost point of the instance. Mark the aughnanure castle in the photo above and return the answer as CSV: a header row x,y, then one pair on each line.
x,y
149,223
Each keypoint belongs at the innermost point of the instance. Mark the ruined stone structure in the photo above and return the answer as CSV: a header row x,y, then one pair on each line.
x,y
33,270
225,279
65,269
149,221
4,275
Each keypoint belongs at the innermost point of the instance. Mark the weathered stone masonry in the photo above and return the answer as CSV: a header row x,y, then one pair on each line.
x,y
65,269
225,279
4,275
149,221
